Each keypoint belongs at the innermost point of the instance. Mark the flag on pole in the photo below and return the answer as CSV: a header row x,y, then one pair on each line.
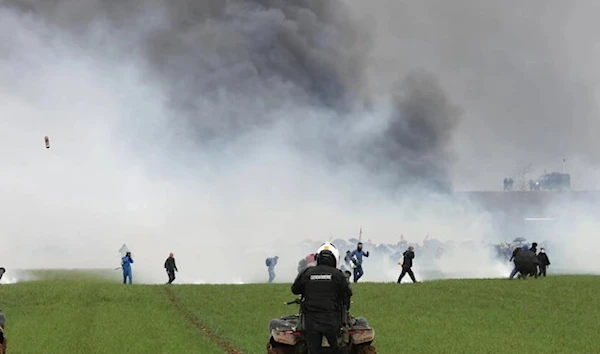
x,y
124,249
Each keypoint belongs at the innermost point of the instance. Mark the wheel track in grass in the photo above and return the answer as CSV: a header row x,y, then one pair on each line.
x,y
228,347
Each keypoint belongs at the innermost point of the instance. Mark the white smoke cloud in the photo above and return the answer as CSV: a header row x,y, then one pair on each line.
x,y
198,150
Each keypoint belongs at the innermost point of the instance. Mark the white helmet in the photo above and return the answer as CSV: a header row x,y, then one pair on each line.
x,y
328,246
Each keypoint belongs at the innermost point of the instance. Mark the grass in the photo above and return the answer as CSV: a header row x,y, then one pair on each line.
x,y
85,317
558,314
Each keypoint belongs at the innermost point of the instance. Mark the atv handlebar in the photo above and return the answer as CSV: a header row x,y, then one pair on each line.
x,y
297,301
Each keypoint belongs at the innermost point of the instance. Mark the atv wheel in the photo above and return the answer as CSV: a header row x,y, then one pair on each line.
x,y
300,348
279,349
364,349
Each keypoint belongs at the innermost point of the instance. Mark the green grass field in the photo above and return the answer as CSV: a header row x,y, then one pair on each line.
x,y
83,313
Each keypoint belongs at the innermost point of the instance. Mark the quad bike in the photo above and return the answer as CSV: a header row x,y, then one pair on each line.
x,y
2,341
287,334
2,337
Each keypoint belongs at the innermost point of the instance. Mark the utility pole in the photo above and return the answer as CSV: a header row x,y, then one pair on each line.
x,y
523,174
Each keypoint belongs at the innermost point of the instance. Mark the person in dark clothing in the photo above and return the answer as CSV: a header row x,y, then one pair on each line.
x,y
526,263
171,268
326,294
515,252
533,247
407,264
544,262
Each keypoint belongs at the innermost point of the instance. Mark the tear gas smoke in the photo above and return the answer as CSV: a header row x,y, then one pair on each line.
x,y
226,131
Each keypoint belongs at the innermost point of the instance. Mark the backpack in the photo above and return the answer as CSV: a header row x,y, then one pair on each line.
x,y
267,262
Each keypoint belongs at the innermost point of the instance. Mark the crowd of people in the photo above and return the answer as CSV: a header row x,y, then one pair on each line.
x,y
352,265
323,282
402,253
508,184
528,262
324,286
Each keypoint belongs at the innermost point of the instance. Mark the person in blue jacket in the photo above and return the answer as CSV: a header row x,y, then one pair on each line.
x,y
271,263
126,266
358,253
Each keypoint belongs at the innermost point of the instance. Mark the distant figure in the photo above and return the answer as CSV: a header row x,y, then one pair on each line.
x,y
407,263
514,254
505,184
301,265
510,184
311,260
348,258
544,261
526,263
308,261
346,266
2,271
531,185
126,266
271,263
358,253
171,267
534,248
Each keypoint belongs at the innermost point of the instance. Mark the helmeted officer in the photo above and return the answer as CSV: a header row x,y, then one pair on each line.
x,y
326,296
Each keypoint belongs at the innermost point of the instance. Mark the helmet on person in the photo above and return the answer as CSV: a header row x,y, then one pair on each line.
x,y
326,252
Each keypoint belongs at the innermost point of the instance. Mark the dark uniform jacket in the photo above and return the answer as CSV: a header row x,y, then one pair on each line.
x,y
170,265
408,259
526,262
543,258
326,293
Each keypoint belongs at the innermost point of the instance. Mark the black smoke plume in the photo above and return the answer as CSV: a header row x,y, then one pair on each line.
x,y
232,67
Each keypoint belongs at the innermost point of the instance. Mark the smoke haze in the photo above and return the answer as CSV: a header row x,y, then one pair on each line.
x,y
226,131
